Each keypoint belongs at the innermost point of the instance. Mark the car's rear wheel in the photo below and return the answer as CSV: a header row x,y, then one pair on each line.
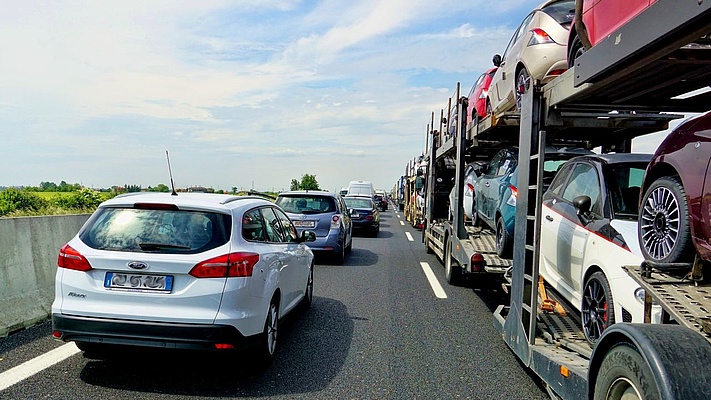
x,y
522,85
476,221
268,341
598,311
664,230
576,50
309,291
339,255
504,242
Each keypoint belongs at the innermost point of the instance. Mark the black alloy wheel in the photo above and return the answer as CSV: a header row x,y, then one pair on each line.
x,y
504,242
598,311
523,82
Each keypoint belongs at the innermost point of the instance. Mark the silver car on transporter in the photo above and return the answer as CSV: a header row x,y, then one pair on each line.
x,y
191,271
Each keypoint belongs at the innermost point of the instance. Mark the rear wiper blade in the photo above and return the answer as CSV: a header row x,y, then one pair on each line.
x,y
158,246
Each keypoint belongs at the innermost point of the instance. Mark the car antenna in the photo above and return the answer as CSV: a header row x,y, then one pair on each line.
x,y
170,171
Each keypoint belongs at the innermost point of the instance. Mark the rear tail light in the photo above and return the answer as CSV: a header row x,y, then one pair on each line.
x,y
470,188
226,266
483,94
539,36
71,259
512,198
368,217
556,72
335,221
477,262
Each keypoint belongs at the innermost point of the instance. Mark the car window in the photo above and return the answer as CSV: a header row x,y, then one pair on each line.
x,y
307,204
623,183
584,181
149,230
560,178
253,228
358,203
562,12
289,229
275,232
494,164
508,164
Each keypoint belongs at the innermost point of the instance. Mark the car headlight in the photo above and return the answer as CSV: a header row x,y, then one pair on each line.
x,y
639,295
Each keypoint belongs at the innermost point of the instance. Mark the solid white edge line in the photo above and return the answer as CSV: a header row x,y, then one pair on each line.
x,y
434,283
409,237
37,364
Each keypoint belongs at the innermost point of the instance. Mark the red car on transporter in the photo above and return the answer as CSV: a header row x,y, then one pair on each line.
x,y
601,18
477,96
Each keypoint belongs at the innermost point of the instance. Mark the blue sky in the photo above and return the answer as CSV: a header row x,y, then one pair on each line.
x,y
241,93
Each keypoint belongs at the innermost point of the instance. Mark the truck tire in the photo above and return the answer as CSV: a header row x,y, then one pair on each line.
x,y
625,375
452,270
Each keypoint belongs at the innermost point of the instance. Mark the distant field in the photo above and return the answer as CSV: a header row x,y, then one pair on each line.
x,y
55,195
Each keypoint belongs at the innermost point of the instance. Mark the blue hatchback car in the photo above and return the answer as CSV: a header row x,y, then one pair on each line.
x,y
323,213
495,191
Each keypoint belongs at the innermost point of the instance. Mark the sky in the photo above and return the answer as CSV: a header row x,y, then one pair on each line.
x,y
241,93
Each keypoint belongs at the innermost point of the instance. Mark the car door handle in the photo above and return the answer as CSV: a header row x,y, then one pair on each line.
x,y
549,218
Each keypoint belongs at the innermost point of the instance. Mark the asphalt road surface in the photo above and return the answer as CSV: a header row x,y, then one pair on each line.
x,y
378,329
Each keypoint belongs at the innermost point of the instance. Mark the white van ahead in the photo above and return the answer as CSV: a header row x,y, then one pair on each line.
x,y
361,188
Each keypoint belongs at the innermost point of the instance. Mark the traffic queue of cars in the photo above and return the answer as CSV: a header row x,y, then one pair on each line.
x,y
199,271
600,212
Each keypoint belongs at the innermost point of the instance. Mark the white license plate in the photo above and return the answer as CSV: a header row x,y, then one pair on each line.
x,y
138,282
304,224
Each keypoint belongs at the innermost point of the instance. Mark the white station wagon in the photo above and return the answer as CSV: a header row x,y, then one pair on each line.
x,y
189,271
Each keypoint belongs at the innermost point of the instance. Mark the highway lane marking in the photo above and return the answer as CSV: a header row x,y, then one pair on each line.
x,y
37,364
409,237
402,223
434,283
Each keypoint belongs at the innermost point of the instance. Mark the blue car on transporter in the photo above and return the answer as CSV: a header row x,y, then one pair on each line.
x,y
323,213
495,191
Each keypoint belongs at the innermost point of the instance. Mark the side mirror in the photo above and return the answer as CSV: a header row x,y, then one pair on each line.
x,y
582,207
497,60
308,236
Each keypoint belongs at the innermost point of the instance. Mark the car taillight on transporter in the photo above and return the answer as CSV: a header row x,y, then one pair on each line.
x,y
230,265
72,259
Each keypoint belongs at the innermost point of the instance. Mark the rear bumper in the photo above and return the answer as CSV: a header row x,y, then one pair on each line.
x,y
148,334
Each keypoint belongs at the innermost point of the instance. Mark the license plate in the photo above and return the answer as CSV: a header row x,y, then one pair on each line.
x,y
304,224
138,283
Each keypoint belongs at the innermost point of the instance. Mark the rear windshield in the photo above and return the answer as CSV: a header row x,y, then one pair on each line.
x,y
306,204
358,203
561,11
156,231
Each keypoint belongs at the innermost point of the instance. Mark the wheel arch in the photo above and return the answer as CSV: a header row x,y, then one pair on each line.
x,y
656,172
666,349
591,270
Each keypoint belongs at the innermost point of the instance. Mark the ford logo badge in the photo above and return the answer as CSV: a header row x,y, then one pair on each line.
x,y
137,265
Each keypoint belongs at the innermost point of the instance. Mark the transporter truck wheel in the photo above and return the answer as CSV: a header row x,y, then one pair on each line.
x,y
452,270
624,375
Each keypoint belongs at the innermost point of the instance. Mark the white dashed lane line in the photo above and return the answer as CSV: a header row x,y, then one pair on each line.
x,y
434,283
409,237
37,364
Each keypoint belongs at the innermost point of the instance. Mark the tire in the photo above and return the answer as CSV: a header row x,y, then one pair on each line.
x,y
268,340
664,229
452,272
504,242
597,309
340,255
522,86
476,221
309,291
95,350
624,374
349,248
576,50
